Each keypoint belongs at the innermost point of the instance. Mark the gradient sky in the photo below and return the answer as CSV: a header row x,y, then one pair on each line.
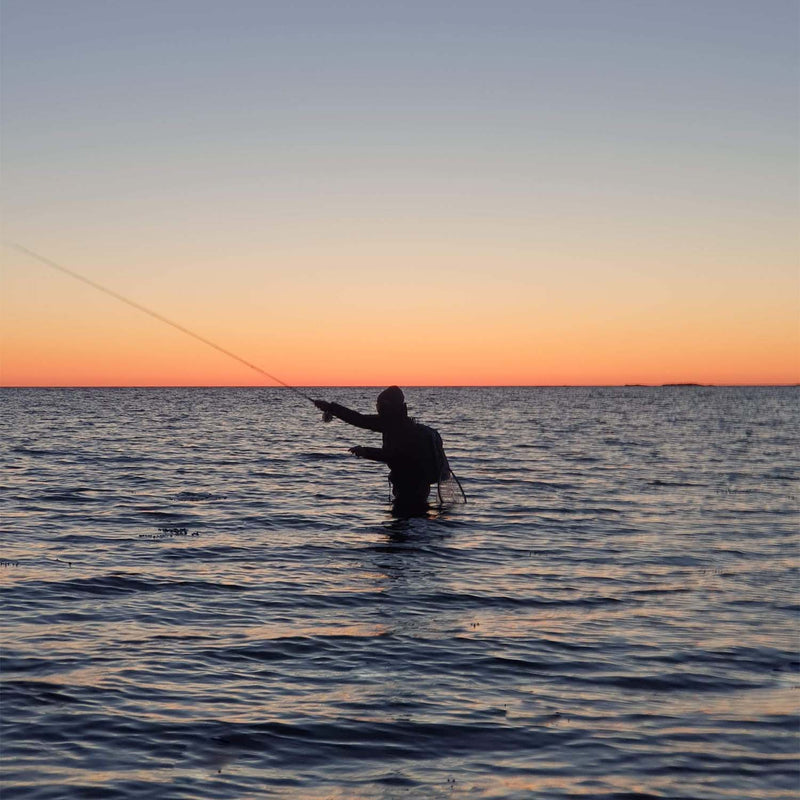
x,y
347,193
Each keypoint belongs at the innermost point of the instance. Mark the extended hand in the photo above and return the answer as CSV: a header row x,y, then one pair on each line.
x,y
325,408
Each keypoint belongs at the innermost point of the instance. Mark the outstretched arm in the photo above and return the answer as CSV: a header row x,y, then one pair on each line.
x,y
370,453
371,422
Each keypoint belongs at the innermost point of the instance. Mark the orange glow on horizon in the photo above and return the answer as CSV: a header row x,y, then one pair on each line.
x,y
466,360
509,326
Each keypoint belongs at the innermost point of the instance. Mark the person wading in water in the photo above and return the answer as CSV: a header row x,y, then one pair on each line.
x,y
413,452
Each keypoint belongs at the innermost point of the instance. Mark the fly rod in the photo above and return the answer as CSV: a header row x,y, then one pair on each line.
x,y
155,315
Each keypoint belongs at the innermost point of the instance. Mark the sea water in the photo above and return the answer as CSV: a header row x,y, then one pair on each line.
x,y
205,596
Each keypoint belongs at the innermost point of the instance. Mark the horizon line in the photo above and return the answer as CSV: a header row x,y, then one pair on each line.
x,y
670,384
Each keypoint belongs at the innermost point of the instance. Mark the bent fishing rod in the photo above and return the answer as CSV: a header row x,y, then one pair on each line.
x,y
139,307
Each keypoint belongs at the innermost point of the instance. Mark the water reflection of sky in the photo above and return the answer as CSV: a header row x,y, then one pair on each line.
x,y
182,596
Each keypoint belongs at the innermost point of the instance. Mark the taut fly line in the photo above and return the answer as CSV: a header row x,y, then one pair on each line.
x,y
160,317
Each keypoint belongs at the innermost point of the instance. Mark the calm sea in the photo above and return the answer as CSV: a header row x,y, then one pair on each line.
x,y
205,596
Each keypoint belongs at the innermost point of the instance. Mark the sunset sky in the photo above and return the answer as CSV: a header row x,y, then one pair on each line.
x,y
365,193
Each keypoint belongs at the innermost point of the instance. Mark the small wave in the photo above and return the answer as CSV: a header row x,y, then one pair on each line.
x,y
25,663
34,693
671,682
198,497
38,451
402,738
224,553
115,585
679,484
321,456
781,477
166,516
68,496
123,458
489,601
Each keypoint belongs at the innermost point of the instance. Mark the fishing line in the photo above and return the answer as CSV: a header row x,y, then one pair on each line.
x,y
155,315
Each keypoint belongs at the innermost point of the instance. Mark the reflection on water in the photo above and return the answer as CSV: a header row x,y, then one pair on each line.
x,y
205,596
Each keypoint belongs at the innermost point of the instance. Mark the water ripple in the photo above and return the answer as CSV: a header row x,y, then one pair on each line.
x,y
204,596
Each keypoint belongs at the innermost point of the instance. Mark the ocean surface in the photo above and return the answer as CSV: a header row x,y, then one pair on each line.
x,y
205,596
